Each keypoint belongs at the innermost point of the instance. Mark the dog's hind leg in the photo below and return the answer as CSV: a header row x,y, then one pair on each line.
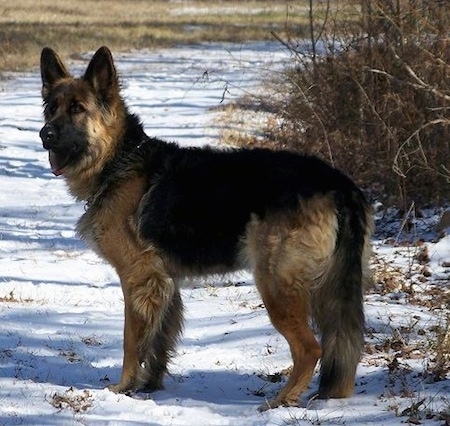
x,y
288,310
289,252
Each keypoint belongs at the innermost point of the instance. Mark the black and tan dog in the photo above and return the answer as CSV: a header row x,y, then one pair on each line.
x,y
159,213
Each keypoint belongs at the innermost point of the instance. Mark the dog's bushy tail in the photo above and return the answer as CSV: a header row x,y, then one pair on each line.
x,y
338,300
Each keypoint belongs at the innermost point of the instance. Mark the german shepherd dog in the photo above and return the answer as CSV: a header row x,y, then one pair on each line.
x,y
160,213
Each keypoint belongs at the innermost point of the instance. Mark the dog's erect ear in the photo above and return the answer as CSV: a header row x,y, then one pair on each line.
x,y
52,69
101,75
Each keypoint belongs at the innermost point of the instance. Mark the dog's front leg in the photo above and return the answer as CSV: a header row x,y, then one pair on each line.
x,y
134,327
153,308
153,317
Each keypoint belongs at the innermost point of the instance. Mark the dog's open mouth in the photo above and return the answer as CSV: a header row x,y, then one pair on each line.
x,y
57,162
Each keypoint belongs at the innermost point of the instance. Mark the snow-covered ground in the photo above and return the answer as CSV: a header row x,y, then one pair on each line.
x,y
61,306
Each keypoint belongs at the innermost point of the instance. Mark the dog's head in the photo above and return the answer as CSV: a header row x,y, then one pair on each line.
x,y
79,112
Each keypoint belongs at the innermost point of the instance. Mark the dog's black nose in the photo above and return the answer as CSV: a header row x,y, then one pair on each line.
x,y
48,136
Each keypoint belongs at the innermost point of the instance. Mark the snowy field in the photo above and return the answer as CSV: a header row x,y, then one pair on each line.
x,y
61,306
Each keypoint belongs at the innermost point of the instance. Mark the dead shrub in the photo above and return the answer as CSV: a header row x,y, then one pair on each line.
x,y
376,102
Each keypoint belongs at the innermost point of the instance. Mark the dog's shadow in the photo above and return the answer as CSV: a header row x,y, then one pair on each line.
x,y
69,363
224,389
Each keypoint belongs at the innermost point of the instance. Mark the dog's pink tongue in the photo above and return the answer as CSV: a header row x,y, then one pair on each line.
x,y
56,170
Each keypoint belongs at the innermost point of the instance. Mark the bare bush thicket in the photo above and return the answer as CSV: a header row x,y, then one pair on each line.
x,y
374,98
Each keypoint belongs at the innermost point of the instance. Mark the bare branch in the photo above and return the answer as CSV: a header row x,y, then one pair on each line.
x,y
396,163
419,86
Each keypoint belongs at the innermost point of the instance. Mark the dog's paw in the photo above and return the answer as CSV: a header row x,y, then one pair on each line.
x,y
274,403
264,407
119,388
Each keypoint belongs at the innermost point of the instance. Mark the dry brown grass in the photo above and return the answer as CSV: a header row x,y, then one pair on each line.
x,y
71,27
12,298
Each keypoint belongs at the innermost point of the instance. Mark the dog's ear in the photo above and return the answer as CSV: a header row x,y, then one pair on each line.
x,y
52,70
101,75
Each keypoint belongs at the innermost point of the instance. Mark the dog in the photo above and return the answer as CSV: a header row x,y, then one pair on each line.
x,y
159,213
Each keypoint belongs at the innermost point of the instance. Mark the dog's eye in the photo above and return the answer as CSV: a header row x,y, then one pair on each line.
x,y
76,107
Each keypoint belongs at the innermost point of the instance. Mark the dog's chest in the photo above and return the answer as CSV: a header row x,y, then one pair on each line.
x,y
107,219
89,229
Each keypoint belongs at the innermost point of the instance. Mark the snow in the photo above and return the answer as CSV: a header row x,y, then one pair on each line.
x,y
62,310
